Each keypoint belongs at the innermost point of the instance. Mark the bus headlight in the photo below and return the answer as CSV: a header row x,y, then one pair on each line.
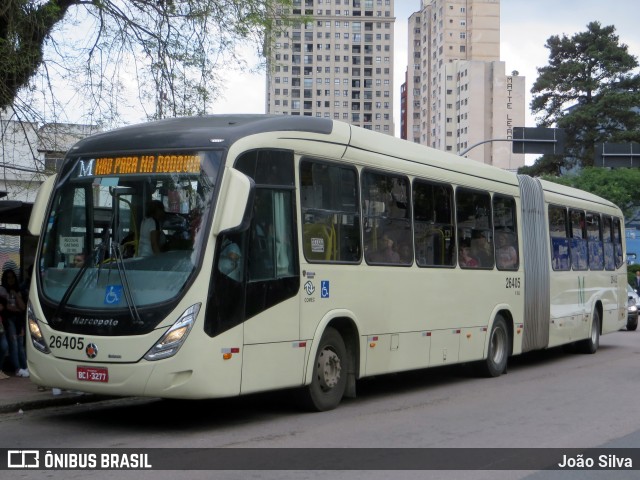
x,y
171,341
34,329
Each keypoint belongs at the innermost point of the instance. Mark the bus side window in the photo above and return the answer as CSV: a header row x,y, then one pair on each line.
x,y
617,242
609,257
505,232
594,238
475,225
387,219
330,212
226,295
271,238
433,224
558,226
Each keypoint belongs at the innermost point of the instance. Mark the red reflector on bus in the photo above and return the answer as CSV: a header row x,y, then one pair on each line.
x,y
230,350
299,344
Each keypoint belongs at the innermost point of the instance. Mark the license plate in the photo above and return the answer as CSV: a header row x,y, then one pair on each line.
x,y
92,374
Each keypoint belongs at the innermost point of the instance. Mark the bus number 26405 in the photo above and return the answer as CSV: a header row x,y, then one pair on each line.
x,y
512,282
73,343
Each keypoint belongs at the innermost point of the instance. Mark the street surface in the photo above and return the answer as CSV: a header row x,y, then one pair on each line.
x,y
548,399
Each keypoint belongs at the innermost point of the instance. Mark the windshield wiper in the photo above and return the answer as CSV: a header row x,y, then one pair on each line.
x,y
124,280
69,291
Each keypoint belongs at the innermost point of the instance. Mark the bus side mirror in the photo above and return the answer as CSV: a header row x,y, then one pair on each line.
x,y
40,205
236,197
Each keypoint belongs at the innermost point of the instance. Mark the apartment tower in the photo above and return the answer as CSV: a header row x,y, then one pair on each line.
x,y
338,65
458,94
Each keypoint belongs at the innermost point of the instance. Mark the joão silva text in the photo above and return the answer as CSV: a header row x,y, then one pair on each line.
x,y
604,461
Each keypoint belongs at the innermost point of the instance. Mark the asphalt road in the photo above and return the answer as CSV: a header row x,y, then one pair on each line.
x,y
548,399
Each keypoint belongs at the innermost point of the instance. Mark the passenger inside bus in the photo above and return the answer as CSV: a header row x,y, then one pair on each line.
x,y
230,262
152,240
386,252
481,249
464,256
506,255
78,260
406,255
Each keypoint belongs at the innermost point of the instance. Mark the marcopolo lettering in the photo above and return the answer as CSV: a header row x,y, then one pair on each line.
x,y
96,322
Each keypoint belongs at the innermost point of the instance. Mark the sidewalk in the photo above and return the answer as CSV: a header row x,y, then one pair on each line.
x,y
18,394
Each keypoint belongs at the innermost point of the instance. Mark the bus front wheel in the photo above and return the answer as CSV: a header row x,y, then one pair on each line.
x,y
329,373
496,362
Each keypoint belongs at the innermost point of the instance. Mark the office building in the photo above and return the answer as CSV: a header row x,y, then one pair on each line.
x,y
338,65
458,94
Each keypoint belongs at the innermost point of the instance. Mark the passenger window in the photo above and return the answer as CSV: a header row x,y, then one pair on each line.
x,y
579,251
475,230
271,236
433,224
607,237
330,212
594,237
506,233
560,259
617,242
268,167
387,219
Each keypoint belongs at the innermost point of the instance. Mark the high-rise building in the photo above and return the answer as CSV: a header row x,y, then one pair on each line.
x,y
338,65
458,94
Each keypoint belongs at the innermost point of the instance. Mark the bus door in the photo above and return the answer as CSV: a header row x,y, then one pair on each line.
x,y
273,356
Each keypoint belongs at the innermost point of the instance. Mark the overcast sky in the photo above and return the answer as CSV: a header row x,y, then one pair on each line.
x,y
525,27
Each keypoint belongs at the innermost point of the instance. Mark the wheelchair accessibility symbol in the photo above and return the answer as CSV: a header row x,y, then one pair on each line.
x,y
324,289
113,294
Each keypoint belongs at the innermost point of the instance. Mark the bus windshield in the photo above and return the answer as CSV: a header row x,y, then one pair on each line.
x,y
127,231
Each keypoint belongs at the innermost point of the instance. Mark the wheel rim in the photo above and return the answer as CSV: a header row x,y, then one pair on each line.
x,y
594,332
328,369
498,345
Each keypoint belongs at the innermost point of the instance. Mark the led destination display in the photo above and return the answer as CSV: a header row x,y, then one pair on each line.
x,y
135,164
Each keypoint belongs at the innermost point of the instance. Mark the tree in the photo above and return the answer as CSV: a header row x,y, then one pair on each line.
x,y
590,90
619,185
547,164
170,52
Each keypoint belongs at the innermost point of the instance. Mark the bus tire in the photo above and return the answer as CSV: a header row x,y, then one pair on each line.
x,y
330,369
591,344
496,362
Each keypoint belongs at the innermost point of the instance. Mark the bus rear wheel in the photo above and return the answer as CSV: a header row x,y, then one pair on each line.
x,y
329,373
496,362
591,344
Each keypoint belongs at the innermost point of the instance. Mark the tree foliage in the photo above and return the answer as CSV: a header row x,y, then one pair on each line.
x,y
619,186
589,89
170,53
547,164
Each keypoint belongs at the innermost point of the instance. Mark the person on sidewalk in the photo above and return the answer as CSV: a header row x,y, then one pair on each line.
x,y
4,346
15,321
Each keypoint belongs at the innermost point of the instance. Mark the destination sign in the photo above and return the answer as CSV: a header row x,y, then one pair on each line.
x,y
135,164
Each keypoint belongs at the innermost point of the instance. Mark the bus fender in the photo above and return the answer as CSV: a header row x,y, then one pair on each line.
x,y
503,309
346,322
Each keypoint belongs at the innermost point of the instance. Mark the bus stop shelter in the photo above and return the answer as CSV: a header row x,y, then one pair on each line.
x,y
17,245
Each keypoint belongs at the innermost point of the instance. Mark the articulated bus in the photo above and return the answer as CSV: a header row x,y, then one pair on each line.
x,y
303,253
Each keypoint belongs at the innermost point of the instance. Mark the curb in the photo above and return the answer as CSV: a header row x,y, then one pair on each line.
x,y
62,400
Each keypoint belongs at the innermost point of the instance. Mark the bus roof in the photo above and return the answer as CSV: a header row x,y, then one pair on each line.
x,y
224,130
575,193
195,132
